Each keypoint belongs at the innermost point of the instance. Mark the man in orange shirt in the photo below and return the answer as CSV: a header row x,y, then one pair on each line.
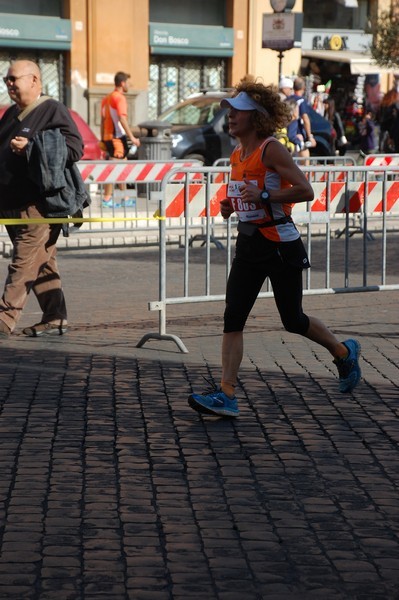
x,y
115,130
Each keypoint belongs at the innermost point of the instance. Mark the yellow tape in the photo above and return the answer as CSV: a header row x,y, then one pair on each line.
x,y
60,220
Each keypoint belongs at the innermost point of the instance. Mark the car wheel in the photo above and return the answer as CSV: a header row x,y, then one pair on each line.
x,y
320,150
198,157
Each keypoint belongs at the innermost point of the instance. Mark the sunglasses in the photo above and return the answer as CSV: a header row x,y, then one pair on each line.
x,y
13,79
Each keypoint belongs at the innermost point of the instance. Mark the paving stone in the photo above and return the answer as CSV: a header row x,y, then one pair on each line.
x,y
112,487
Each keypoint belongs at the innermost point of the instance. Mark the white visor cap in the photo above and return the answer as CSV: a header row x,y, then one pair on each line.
x,y
243,102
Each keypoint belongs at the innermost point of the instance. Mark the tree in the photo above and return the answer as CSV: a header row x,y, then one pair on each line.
x,y
385,46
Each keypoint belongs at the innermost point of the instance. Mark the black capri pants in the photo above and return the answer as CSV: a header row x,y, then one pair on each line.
x,y
257,258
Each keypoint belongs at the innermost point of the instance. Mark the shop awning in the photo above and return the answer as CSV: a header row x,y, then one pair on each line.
x,y
195,40
31,31
360,64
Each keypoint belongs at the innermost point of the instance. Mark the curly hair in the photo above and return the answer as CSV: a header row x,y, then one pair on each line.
x,y
269,98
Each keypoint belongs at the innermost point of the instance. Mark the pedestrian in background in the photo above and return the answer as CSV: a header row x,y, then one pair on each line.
x,y
389,121
366,127
304,107
293,128
115,130
286,86
264,184
33,265
333,116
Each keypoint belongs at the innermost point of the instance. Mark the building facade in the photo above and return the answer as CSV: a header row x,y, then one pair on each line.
x,y
173,48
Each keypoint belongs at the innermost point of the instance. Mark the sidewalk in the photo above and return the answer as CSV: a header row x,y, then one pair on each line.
x,y
112,487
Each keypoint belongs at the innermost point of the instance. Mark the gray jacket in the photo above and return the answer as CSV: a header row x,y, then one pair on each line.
x,y
61,186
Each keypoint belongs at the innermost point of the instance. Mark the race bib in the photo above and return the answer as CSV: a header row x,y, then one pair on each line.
x,y
246,211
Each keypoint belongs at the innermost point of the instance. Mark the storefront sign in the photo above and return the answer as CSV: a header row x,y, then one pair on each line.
x,y
192,40
35,32
333,42
336,39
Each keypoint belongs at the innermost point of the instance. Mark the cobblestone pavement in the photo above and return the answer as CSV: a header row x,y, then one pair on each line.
x,y
112,487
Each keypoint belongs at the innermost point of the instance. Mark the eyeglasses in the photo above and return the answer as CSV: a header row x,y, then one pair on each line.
x,y
13,79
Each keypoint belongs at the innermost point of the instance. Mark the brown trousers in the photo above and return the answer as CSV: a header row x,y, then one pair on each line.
x,y
33,267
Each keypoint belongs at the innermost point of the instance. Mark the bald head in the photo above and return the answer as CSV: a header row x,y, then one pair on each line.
x,y
24,82
26,66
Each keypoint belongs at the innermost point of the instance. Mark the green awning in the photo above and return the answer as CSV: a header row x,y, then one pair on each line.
x,y
20,31
191,40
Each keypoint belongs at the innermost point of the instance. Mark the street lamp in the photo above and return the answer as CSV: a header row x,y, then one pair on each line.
x,y
282,5
282,29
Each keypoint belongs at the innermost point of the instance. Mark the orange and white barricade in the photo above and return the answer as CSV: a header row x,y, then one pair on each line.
x,y
131,172
133,181
192,200
178,196
381,160
340,197
333,196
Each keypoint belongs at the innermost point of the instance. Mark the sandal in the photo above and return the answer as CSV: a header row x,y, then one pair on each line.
x,y
5,331
45,329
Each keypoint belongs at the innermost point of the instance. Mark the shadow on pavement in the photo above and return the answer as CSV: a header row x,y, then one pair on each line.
x,y
111,485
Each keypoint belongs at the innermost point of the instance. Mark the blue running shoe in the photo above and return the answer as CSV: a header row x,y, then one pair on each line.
x,y
110,204
129,202
214,403
348,368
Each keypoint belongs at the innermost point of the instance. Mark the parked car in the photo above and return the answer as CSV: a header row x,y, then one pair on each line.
x,y
200,131
91,143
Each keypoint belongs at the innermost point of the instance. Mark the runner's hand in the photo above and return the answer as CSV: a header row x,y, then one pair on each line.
x,y
250,192
225,208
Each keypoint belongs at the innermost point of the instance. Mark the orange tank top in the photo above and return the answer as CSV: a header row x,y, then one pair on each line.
x,y
252,169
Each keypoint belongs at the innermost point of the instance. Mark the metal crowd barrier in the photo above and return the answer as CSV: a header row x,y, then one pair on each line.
x,y
130,218
131,211
137,179
357,192
346,160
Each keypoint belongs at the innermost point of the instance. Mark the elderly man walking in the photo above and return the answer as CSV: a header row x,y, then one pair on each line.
x,y
33,265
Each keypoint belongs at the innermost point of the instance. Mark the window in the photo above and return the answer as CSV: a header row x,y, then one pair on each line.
x,y
199,111
173,79
203,12
332,15
41,8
